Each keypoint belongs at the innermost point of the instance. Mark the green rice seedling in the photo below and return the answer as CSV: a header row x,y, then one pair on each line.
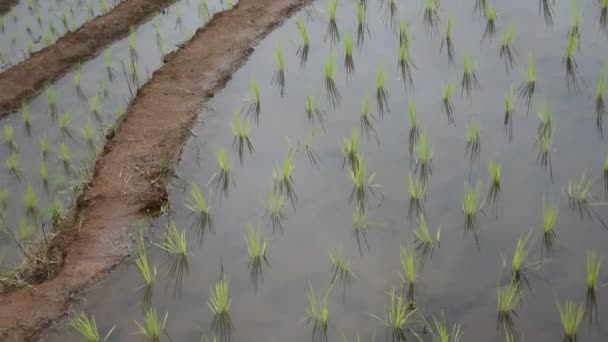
x,y
570,62
349,62
94,105
333,95
317,313
148,272
51,96
224,171
312,155
109,68
26,231
405,65
575,21
546,126
431,15
53,29
470,205
424,242
12,163
447,102
469,78
340,266
65,21
64,154
90,10
360,226
508,296
550,209
176,247
490,30
30,200
25,114
105,7
506,50
362,27
199,206
417,191
279,74
203,10
9,136
219,303
544,145
362,185
88,132
571,315
132,43
77,75
241,129
152,327
64,121
447,41
256,247
44,172
408,269
473,140
367,120
424,157
332,25
283,176
442,333
404,32
47,38
495,180
579,196
594,264
381,91
304,47
603,16
28,27
350,149
397,316
55,210
600,107
520,258
314,113
44,145
526,89
87,328
509,110
276,211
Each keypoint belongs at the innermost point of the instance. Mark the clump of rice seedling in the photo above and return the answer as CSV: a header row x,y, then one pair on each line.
x,y
362,27
340,266
571,315
600,108
283,176
442,333
219,303
64,121
381,91
417,191
546,126
405,65
367,120
333,95
360,226
51,96
509,110
304,47
25,114
350,149
520,257
473,139
256,247
470,205
255,102
276,210
241,129
362,185
64,154
447,103
9,136
526,89
431,15
224,171
26,231
570,62
424,157
12,163
152,327
506,51
550,210
332,26
77,75
495,180
175,245
44,145
404,32
579,196
594,263
575,21
423,239
199,206
469,78
408,268
397,316
44,173
317,313
349,62
508,296
30,200
148,272
279,75
314,113
544,143
447,41
480,7
87,328
490,30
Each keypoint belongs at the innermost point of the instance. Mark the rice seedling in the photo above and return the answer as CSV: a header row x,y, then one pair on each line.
x,y
340,266
526,89
30,200
241,129
176,247
219,303
332,25
333,95
431,15
77,76
507,296
276,211
417,191
604,15
317,313
148,272
469,78
405,65
224,171
304,47
362,185
349,62
490,30
51,96
279,74
88,132
404,32
256,247
546,8
362,27
64,154
447,102
350,149
579,196
367,120
571,315
199,206
600,107
314,113
473,140
381,91
424,157
397,316
94,105
25,114
152,327
55,210
544,145
546,126
360,226
26,231
447,41
424,242
520,257
442,333
570,62
283,176
408,269
44,173
509,110
495,180
87,328
414,129
470,205
575,21
9,136
550,210
44,145
506,51
12,163
64,121
203,12
594,264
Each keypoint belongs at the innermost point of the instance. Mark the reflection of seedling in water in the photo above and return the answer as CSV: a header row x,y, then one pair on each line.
x,y
304,47
441,332
279,75
30,200
405,65
506,52
469,78
87,328
495,179
447,41
224,172
509,110
568,60
175,245
25,114
508,297
417,191
333,95
490,29
571,315
431,15
404,32
88,132
447,103
480,7
332,25
367,120
544,143
546,8
423,239
340,266
314,113
283,177
546,127
473,139
219,303
361,22
199,207
604,16
470,205
550,210
397,315
44,173
424,157
317,313
276,210
350,149
526,89
362,185
256,247
241,129
594,264
349,63
600,107
414,130
390,17
360,226
152,327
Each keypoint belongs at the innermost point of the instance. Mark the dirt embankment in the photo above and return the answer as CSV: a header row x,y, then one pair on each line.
x,y
23,80
6,5
127,179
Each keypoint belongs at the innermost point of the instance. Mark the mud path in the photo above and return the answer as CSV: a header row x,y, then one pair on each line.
x,y
23,80
6,5
127,181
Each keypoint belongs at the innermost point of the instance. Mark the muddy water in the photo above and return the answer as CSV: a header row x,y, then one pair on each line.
x,y
117,94
462,275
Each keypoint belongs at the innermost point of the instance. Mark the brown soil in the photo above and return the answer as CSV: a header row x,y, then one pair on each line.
x,y
6,5
26,78
127,182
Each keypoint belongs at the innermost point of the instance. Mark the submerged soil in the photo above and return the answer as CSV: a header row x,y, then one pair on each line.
x,y
26,78
128,179
6,5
